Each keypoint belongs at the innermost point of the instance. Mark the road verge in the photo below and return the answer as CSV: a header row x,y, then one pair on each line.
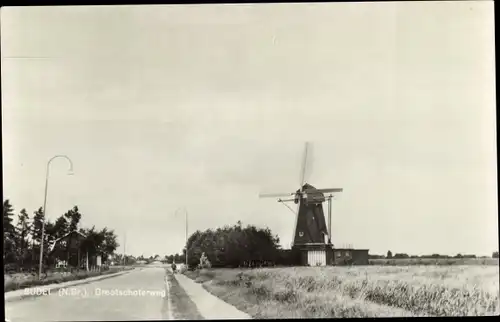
x,y
209,306
44,289
181,305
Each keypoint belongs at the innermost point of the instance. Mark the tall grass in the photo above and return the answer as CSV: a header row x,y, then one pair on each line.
x,y
435,261
367,291
21,281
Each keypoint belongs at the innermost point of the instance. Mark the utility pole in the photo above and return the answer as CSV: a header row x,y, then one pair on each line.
x,y
186,218
330,219
186,237
124,248
42,240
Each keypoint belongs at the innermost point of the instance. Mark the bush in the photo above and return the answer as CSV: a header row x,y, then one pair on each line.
x,y
182,269
204,262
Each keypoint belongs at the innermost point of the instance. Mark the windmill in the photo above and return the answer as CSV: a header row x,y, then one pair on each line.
x,y
311,234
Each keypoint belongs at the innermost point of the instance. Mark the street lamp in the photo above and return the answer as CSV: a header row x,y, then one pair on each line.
x,y
186,213
70,172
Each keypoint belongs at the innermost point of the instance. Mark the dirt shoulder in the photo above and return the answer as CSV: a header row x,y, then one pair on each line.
x,y
182,307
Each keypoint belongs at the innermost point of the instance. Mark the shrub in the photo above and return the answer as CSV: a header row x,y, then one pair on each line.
x,y
204,262
182,269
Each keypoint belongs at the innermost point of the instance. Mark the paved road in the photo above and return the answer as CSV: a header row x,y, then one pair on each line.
x,y
88,302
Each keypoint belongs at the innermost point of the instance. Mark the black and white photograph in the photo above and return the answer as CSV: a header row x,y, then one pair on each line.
x,y
249,161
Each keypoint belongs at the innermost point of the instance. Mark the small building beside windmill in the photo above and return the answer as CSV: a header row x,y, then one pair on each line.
x,y
349,256
328,255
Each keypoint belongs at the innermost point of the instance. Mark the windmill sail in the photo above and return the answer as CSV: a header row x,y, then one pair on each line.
x,y
274,195
324,190
301,184
304,165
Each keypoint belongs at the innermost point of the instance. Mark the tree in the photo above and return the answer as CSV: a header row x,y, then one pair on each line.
x,y
36,227
92,242
401,255
48,240
102,242
110,243
61,227
118,259
9,233
49,235
73,216
374,256
8,212
233,246
36,234
389,254
182,257
470,256
22,232
54,231
130,260
22,242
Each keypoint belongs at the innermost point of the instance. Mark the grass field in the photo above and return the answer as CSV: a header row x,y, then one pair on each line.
x,y
362,291
432,261
24,280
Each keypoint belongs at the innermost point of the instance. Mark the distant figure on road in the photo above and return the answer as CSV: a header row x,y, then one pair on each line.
x,y
174,268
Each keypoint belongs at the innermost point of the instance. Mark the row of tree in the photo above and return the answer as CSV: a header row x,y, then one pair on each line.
x,y
176,258
436,256
23,238
120,259
235,246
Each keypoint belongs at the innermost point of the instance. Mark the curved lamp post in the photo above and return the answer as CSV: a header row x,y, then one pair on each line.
x,y
70,172
186,213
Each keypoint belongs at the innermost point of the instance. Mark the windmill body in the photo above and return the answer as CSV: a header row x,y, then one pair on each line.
x,y
311,235
311,223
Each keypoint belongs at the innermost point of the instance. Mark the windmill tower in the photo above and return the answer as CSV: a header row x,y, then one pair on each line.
x,y
311,238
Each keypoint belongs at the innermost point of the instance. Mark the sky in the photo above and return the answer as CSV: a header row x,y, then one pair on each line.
x,y
206,106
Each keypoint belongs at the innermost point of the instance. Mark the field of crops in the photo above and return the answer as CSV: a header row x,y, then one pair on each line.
x,y
363,291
